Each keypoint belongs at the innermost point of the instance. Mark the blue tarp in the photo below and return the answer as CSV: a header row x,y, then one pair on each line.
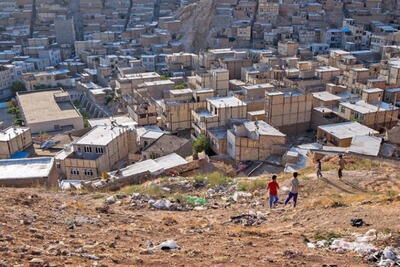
x,y
3,105
19,155
345,29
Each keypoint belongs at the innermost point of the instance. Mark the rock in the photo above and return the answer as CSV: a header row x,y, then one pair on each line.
x,y
37,262
110,200
148,251
38,236
103,209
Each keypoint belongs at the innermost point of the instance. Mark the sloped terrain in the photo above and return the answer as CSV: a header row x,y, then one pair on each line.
x,y
49,228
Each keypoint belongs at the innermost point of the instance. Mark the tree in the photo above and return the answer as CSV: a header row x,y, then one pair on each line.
x,y
201,144
18,86
108,99
180,86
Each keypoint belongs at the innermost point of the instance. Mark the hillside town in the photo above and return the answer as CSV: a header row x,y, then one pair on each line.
x,y
91,87
124,120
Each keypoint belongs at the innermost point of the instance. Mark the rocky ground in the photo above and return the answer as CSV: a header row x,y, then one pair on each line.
x,y
41,227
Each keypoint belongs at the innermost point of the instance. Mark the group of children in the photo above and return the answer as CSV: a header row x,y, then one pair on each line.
x,y
273,186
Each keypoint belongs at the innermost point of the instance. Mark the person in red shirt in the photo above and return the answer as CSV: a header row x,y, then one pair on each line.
x,y
273,187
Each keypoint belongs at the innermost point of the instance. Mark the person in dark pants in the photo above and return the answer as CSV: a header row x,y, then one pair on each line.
x,y
319,169
341,166
294,190
273,187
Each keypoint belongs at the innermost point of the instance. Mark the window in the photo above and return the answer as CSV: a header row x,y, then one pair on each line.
x,y
88,149
89,172
74,171
342,110
99,150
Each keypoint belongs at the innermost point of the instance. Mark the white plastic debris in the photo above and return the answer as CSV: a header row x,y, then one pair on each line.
x,y
359,247
239,194
111,200
311,245
167,245
389,254
386,263
162,204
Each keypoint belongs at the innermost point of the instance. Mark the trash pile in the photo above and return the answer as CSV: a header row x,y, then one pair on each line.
x,y
362,244
139,201
249,219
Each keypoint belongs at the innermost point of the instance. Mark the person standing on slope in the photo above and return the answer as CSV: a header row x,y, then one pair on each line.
x,y
319,168
341,166
273,187
294,190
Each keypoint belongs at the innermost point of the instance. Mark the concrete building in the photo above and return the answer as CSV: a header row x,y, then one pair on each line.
x,y
253,140
48,79
7,77
14,139
220,111
290,112
176,111
94,153
168,144
341,134
65,30
377,116
28,172
49,111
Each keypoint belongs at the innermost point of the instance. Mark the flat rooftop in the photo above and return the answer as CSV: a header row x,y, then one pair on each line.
x,y
346,130
100,135
373,90
226,102
11,132
326,96
262,128
364,108
25,168
41,106
123,120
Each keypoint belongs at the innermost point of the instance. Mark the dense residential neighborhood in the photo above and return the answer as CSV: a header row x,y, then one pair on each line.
x,y
260,76
100,95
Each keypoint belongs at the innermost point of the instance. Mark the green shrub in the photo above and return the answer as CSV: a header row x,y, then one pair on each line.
x,y
216,179
252,185
201,144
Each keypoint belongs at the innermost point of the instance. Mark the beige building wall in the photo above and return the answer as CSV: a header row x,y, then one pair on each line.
x,y
18,143
290,114
243,148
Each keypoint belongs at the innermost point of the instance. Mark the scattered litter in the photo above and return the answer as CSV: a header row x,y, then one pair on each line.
x,y
357,222
162,204
195,201
250,219
111,200
166,246
360,247
238,195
